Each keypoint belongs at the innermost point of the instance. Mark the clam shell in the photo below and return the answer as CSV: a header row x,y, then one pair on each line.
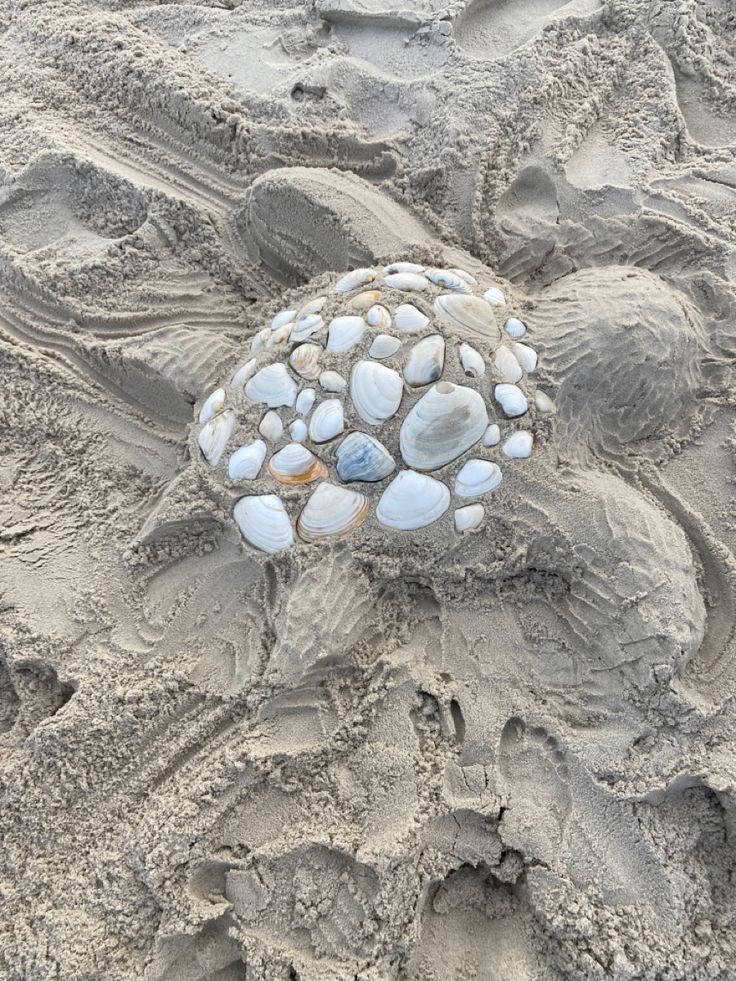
x,y
507,366
412,500
354,279
305,401
213,404
469,312
514,328
526,356
376,391
384,346
332,512
403,267
271,427
472,361
264,523
543,402
469,518
243,373
282,318
295,464
327,421
304,327
305,360
214,436
442,425
361,457
448,280
492,435
298,431
272,385
362,302
426,361
495,297
408,319
259,341
279,337
406,281
332,381
477,477
246,463
379,316
463,274
519,445
344,333
313,306
511,399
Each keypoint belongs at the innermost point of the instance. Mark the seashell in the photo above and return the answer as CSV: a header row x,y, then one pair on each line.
x,y
278,337
363,301
469,312
426,361
384,346
305,401
327,421
444,423
448,280
376,391
295,464
514,328
332,381
332,511
246,463
271,427
298,431
495,297
259,341
282,318
344,333
543,402
412,500
512,400
272,385
477,477
354,279
470,280
507,366
214,436
243,373
361,457
469,518
214,403
519,445
492,435
526,356
379,316
406,281
312,307
264,522
403,267
304,327
409,320
472,361
305,360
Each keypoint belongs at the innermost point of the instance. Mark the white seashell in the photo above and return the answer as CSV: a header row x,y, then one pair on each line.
x,y
214,436
379,316
469,312
313,306
507,366
354,279
305,327
327,422
282,318
361,457
426,361
495,297
295,464
477,477
469,518
512,400
470,280
344,333
543,402
264,523
472,361
305,360
246,463
408,319
519,445
332,511
384,346
376,391
363,301
259,341
278,337
448,280
444,423
332,381
298,431
514,328
403,267
526,356
412,500
305,401
242,375
272,385
271,427
406,281
492,435
214,403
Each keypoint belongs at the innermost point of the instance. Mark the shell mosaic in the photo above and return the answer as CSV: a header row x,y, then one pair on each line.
x,y
399,396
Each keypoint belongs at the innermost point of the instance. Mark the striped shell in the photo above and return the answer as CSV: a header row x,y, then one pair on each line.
x,y
444,423
332,512
264,523
295,464
376,391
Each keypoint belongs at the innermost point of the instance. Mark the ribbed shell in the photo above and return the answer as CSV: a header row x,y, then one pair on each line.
x,y
264,522
376,391
494,296
361,457
327,421
412,500
442,425
332,512
514,328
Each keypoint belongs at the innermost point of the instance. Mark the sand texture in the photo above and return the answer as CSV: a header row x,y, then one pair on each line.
x,y
503,755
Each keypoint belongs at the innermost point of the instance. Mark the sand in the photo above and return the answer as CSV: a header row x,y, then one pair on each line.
x,y
388,756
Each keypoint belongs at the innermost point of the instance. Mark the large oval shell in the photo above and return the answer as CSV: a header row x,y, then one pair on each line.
x,y
514,328
477,477
271,427
403,267
213,404
243,373
444,423
507,366
361,457
305,360
472,361
327,421
526,356
282,318
354,279
511,399
376,391
469,517
264,523
272,385
295,464
379,316
246,462
214,436
426,361
412,500
384,346
406,281
469,312
332,381
495,297
408,319
344,333
448,280
305,327
519,445
331,512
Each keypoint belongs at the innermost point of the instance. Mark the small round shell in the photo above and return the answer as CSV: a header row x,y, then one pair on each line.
x,y
543,402
526,356
514,328
507,366
376,391
412,500
379,316
519,445
361,457
214,436
295,464
332,381
344,333
468,312
298,431
272,385
305,360
327,421
492,435
406,281
264,523
214,403
426,361
444,423
477,477
305,401
494,296
246,462
469,518
354,279
472,361
271,427
332,512
312,307
448,280
384,346
408,319
511,399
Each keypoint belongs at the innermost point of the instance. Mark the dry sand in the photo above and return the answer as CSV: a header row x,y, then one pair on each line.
x,y
388,758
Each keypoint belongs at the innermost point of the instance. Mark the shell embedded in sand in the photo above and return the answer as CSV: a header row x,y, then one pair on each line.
x,y
543,402
214,436
282,318
472,361
507,365
295,464
362,457
412,500
376,391
379,316
271,427
444,423
511,399
327,421
408,319
305,360
298,431
272,385
494,296
514,328
243,373
526,356
264,522
246,462
305,401
305,327
332,381
426,361
214,403
384,346
469,518
519,445
448,280
260,339
353,280
331,512
477,477
463,274
492,435
403,267
469,312
344,333
279,337
406,281
363,301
